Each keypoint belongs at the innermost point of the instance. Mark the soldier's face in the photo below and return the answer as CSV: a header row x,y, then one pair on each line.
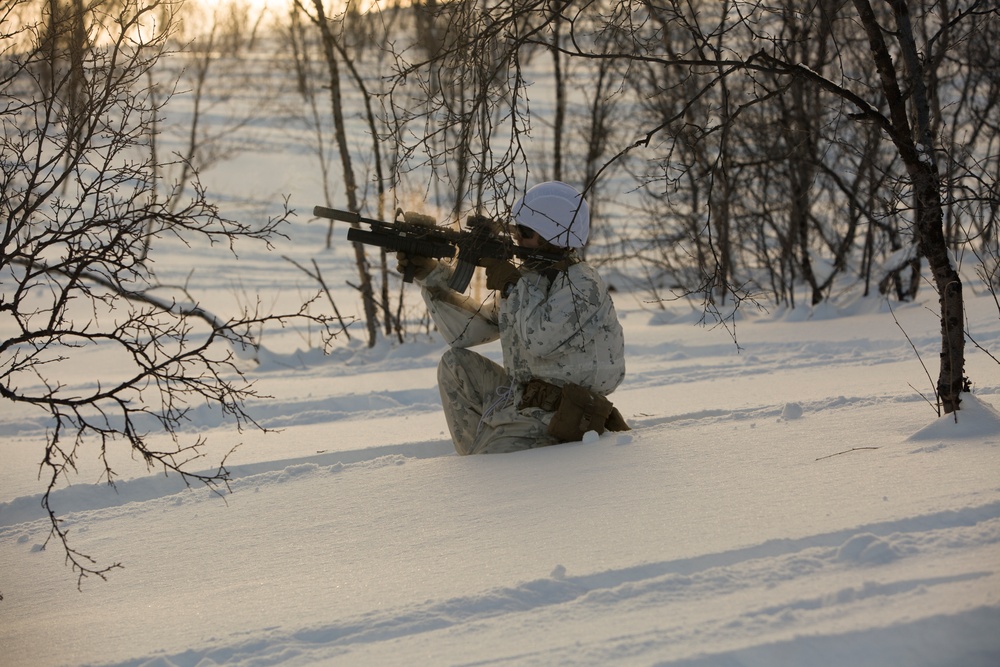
x,y
526,237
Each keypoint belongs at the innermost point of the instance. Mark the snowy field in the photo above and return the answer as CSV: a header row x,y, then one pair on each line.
x,y
789,501
792,502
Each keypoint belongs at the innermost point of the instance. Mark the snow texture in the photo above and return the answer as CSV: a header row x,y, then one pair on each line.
x,y
793,500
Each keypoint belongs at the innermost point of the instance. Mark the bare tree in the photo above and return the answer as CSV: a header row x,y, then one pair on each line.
x,y
916,145
559,83
334,57
77,203
468,97
212,73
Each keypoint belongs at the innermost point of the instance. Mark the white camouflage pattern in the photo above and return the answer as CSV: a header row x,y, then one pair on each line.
x,y
566,331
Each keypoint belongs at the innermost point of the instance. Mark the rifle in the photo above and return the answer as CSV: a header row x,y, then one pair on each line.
x,y
478,242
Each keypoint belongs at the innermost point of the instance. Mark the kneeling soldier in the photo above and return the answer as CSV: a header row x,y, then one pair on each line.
x,y
563,347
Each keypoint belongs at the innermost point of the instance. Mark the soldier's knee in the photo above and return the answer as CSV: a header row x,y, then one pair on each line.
x,y
447,365
453,359
457,356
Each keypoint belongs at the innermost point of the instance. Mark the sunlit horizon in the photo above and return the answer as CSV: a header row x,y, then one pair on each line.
x,y
282,7
198,16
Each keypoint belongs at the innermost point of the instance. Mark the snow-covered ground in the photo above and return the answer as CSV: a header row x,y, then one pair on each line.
x,y
792,502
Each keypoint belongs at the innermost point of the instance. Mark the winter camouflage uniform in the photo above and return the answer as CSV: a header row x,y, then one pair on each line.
x,y
563,330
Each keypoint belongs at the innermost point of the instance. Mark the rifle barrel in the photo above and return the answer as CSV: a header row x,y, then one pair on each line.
x,y
336,214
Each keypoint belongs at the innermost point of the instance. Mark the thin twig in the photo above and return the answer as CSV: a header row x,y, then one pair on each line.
x,y
981,348
318,277
937,397
921,395
846,451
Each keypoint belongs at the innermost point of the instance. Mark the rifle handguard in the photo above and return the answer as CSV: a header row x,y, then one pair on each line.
x,y
405,244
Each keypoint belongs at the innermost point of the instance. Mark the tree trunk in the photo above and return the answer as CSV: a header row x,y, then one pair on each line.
x,y
350,185
932,245
560,86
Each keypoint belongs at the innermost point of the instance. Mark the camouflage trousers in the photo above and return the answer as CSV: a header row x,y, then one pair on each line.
x,y
480,405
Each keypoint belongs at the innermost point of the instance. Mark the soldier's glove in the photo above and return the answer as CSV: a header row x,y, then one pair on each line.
x,y
420,266
501,275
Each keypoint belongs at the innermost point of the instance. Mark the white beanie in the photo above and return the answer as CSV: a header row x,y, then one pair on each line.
x,y
557,212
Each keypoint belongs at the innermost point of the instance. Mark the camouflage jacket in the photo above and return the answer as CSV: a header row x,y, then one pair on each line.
x,y
563,330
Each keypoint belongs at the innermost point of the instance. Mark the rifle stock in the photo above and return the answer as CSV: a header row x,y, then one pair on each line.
x,y
471,246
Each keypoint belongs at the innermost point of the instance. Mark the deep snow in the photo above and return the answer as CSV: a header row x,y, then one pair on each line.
x,y
792,500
